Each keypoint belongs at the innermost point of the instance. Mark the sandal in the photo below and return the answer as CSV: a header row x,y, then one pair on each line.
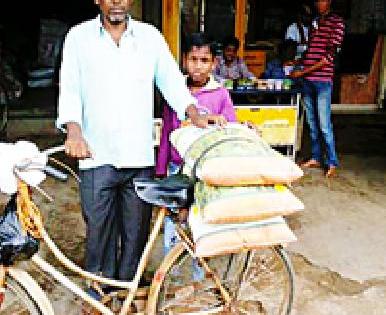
x,y
332,172
310,164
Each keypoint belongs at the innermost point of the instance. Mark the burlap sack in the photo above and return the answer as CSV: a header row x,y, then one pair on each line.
x,y
220,205
232,156
213,239
255,170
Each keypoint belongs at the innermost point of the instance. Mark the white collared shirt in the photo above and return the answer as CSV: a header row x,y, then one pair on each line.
x,y
294,34
108,89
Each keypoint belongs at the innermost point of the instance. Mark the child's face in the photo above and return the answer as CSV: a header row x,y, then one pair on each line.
x,y
199,64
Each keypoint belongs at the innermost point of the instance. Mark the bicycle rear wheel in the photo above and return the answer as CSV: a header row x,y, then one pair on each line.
x,y
259,282
23,296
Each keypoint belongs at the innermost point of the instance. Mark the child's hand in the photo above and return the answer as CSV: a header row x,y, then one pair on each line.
x,y
186,123
218,120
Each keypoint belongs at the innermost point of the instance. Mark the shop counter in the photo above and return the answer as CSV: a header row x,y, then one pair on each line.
x,y
276,113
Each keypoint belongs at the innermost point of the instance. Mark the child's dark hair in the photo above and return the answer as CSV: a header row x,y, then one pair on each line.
x,y
199,40
231,41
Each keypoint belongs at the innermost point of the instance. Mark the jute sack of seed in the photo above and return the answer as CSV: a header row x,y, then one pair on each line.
x,y
221,205
218,239
232,156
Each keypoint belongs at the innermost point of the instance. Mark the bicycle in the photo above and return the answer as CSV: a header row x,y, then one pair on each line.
x,y
229,285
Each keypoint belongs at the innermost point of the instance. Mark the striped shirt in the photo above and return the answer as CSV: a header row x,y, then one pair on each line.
x,y
325,38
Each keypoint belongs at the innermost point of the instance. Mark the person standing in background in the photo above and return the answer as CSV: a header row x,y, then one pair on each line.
x,y
229,65
318,71
299,31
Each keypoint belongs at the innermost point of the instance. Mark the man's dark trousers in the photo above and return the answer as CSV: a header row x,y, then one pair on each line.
x,y
114,215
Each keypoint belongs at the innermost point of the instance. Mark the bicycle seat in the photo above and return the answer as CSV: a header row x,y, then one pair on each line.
x,y
175,191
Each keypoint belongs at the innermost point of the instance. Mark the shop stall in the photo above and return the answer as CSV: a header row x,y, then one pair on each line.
x,y
275,111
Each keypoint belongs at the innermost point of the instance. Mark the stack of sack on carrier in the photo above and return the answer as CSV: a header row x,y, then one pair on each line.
x,y
241,192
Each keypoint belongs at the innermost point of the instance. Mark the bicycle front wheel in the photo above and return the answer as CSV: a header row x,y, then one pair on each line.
x,y
23,296
259,282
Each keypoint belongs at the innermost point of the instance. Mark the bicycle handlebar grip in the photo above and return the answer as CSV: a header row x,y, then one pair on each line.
x,y
49,170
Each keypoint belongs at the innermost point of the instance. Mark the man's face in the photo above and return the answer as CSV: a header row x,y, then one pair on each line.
x,y
230,53
323,6
114,11
199,64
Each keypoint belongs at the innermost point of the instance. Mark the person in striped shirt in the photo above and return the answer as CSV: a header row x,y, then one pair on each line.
x,y
318,72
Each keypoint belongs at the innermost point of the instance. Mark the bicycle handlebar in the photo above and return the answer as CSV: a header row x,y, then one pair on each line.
x,y
28,162
39,162
49,170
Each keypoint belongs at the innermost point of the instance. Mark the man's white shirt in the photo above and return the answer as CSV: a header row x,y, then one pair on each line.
x,y
108,89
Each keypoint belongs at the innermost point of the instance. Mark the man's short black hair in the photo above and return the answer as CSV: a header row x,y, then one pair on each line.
x,y
199,40
231,41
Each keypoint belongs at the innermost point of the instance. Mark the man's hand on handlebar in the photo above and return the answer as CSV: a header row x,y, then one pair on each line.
x,y
75,145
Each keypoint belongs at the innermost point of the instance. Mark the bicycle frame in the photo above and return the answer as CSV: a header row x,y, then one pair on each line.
x,y
32,212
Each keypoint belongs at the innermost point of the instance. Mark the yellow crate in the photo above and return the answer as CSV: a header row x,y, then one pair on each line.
x,y
277,124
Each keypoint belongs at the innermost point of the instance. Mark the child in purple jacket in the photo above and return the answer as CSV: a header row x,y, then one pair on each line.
x,y
212,99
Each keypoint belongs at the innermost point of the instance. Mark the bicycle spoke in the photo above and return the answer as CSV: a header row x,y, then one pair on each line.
x,y
257,282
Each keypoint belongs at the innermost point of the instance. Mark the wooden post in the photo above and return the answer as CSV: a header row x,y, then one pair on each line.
x,y
240,24
171,25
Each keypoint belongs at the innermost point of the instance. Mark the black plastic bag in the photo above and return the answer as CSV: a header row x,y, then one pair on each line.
x,y
15,245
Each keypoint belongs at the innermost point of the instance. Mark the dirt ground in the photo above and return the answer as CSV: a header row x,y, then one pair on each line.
x,y
340,255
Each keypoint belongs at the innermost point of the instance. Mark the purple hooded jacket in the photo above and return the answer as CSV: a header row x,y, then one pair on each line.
x,y
212,99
